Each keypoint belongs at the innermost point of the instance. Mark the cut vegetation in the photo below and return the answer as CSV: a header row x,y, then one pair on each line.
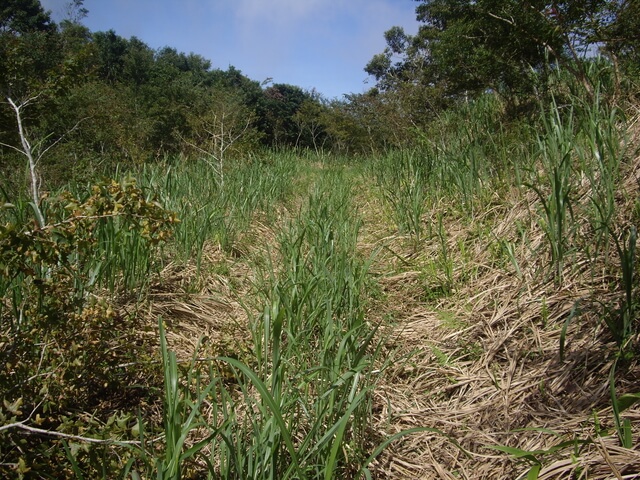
x,y
461,306
315,325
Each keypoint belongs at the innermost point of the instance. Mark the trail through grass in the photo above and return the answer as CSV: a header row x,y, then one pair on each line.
x,y
456,311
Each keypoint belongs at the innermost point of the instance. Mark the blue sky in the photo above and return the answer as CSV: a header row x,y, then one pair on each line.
x,y
322,44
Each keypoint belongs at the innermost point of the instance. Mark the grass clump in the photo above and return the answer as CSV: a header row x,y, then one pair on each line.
x,y
308,399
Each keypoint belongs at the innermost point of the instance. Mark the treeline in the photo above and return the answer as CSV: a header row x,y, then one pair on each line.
x,y
510,48
95,99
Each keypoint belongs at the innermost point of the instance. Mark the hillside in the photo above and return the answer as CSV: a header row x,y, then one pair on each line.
x,y
466,309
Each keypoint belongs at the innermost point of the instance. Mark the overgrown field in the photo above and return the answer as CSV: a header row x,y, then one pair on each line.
x,y
466,309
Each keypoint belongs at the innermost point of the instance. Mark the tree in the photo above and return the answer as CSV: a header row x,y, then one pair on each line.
x,y
32,149
29,49
277,111
30,60
137,63
111,49
308,118
466,46
75,11
220,123
24,16
621,37
365,123
29,151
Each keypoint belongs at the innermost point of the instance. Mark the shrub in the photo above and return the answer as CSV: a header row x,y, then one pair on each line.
x,y
63,345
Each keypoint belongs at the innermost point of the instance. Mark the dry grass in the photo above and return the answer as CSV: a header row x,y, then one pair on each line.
x,y
484,361
481,363
203,309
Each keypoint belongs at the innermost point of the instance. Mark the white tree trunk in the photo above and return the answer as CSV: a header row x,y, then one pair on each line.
x,y
28,152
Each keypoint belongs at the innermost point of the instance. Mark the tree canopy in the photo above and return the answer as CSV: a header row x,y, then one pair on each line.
x,y
24,16
466,47
134,103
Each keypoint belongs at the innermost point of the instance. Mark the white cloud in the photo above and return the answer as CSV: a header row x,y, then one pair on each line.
x,y
280,12
312,43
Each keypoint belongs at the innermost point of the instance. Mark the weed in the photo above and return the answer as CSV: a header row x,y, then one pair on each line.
x,y
556,148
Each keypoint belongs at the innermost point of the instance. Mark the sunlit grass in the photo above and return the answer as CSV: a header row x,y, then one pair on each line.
x,y
296,400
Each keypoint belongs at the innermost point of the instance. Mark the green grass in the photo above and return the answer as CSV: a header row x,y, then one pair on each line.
x,y
297,402
215,213
554,185
314,350
302,408
403,180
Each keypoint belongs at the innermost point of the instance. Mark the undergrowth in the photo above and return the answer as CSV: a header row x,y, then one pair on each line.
x,y
92,387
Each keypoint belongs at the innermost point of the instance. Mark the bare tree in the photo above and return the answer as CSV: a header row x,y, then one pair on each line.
x,y
28,150
32,151
224,125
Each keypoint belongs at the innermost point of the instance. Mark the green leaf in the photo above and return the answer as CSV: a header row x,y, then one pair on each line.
x,y
627,438
71,457
537,429
519,453
627,401
575,310
275,409
534,472
13,408
135,430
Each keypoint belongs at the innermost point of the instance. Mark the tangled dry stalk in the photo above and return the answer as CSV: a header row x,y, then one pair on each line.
x,y
480,364
484,363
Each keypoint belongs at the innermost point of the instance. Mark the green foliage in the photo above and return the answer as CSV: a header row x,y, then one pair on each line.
x,y
469,47
346,123
298,406
132,104
623,426
619,38
592,135
111,50
464,49
601,157
221,129
279,118
63,341
181,415
622,323
210,212
535,457
555,188
310,122
24,16
313,349
404,183
137,104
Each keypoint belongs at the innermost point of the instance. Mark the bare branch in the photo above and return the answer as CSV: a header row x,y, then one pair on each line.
x,y
506,20
41,154
197,147
52,433
22,425
75,218
26,146
13,148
